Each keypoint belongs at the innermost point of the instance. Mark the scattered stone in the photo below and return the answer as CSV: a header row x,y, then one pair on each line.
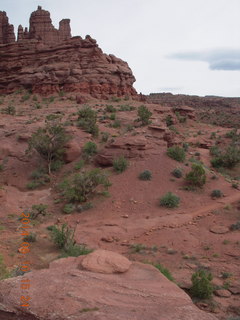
x,y
219,229
102,261
223,293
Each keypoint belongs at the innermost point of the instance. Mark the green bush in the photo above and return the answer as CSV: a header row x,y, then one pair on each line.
x,y
84,207
144,115
40,178
82,185
235,226
197,176
120,164
169,120
89,149
112,116
75,250
9,110
228,159
87,120
49,142
177,173
3,269
201,285
68,208
145,175
177,153
38,209
169,200
79,165
164,271
62,236
216,193
110,108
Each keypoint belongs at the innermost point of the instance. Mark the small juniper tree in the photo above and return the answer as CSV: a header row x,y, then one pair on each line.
x,y
144,115
49,142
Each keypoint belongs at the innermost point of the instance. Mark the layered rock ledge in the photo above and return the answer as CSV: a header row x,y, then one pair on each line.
x,y
46,60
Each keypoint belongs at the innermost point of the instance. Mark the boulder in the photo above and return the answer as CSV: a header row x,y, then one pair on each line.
x,y
66,292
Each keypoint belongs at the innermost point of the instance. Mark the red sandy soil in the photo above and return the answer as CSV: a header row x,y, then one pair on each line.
x,y
181,239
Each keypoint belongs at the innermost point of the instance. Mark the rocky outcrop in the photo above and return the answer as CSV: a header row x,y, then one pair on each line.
x,y
129,147
46,60
67,291
6,30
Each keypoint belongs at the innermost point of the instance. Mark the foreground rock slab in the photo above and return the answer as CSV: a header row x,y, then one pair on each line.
x,y
64,291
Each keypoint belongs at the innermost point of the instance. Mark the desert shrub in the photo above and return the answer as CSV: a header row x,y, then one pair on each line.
x,y
197,176
116,124
75,250
169,120
181,119
40,178
235,226
144,115
228,159
56,165
126,108
216,193
112,116
185,146
84,207
177,173
110,108
214,150
105,136
68,208
120,164
52,116
145,175
164,271
79,165
201,285
169,200
32,237
62,236
38,209
231,134
137,247
49,142
87,120
89,149
3,269
235,185
9,110
82,185
25,97
213,135
177,153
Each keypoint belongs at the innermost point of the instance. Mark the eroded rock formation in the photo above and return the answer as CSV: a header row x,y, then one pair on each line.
x,y
103,285
46,60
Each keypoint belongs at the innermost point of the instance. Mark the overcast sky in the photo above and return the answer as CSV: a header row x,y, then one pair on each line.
x,y
178,46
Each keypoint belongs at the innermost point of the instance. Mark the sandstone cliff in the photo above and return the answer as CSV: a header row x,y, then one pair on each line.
x,y
46,60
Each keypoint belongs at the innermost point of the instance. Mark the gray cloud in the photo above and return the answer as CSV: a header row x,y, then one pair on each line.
x,y
219,59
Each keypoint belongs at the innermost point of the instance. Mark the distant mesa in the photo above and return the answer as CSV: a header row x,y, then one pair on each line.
x,y
45,60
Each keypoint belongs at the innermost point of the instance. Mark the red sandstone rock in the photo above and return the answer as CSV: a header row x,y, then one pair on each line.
x,y
6,29
46,60
64,292
129,147
102,261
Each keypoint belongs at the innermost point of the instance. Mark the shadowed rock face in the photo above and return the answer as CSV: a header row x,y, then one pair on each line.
x,y
46,60
70,289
